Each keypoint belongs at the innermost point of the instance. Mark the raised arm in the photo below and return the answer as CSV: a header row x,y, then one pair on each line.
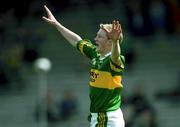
x,y
70,36
116,37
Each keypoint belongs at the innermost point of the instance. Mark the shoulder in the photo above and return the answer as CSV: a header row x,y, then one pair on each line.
x,y
85,43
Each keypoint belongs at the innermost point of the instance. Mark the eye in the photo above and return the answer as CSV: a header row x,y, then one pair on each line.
x,y
99,36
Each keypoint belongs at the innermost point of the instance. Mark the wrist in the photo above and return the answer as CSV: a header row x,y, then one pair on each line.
x,y
57,24
114,41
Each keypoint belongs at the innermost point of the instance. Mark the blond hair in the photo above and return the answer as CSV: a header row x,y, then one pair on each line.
x,y
108,27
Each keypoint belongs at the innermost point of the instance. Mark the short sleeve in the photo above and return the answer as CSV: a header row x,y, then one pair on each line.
x,y
87,48
118,68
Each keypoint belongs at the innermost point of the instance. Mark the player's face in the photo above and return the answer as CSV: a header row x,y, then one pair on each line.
x,y
101,41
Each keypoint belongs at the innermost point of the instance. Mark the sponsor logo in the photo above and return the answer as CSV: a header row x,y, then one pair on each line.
x,y
93,76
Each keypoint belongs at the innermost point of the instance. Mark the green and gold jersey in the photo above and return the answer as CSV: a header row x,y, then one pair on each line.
x,y
105,79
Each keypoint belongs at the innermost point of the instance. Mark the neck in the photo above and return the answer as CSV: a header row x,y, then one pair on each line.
x,y
105,51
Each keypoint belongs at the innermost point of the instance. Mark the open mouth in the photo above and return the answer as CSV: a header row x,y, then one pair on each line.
x,y
96,44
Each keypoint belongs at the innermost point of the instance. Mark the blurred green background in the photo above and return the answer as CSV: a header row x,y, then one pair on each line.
x,y
151,46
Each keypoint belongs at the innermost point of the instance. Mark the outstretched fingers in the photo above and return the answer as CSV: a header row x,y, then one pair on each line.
x,y
47,10
114,24
50,18
116,30
46,19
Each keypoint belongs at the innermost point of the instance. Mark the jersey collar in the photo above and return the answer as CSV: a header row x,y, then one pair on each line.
x,y
101,58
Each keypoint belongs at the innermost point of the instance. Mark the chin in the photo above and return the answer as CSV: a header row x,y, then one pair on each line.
x,y
97,49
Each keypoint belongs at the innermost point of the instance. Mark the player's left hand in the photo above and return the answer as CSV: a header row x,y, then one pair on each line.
x,y
116,33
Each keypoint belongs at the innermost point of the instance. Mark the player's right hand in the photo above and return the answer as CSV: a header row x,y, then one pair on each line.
x,y
50,17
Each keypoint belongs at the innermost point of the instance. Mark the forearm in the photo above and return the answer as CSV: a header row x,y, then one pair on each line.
x,y
70,36
115,53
